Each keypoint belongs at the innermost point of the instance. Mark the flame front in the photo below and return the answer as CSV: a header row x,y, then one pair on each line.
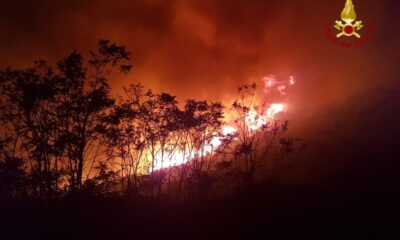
x,y
254,121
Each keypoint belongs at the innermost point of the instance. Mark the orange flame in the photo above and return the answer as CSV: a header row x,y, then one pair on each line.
x,y
253,120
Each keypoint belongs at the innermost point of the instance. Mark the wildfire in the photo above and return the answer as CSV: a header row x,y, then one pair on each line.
x,y
254,121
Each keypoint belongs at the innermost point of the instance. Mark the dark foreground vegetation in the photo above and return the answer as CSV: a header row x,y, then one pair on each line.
x,y
264,211
77,163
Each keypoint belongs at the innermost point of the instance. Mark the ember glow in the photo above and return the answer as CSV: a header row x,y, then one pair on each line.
x,y
255,120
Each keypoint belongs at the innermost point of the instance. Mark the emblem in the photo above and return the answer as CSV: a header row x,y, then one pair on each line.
x,y
347,26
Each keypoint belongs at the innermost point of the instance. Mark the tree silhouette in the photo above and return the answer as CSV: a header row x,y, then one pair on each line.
x,y
157,113
62,133
253,146
201,124
126,138
28,103
84,108
56,114
13,180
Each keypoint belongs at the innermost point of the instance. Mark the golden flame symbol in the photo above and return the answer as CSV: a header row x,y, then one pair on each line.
x,y
348,13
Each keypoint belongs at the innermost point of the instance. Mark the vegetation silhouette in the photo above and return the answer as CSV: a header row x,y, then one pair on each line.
x,y
65,135
77,161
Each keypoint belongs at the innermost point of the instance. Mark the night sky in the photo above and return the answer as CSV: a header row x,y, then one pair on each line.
x,y
205,48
